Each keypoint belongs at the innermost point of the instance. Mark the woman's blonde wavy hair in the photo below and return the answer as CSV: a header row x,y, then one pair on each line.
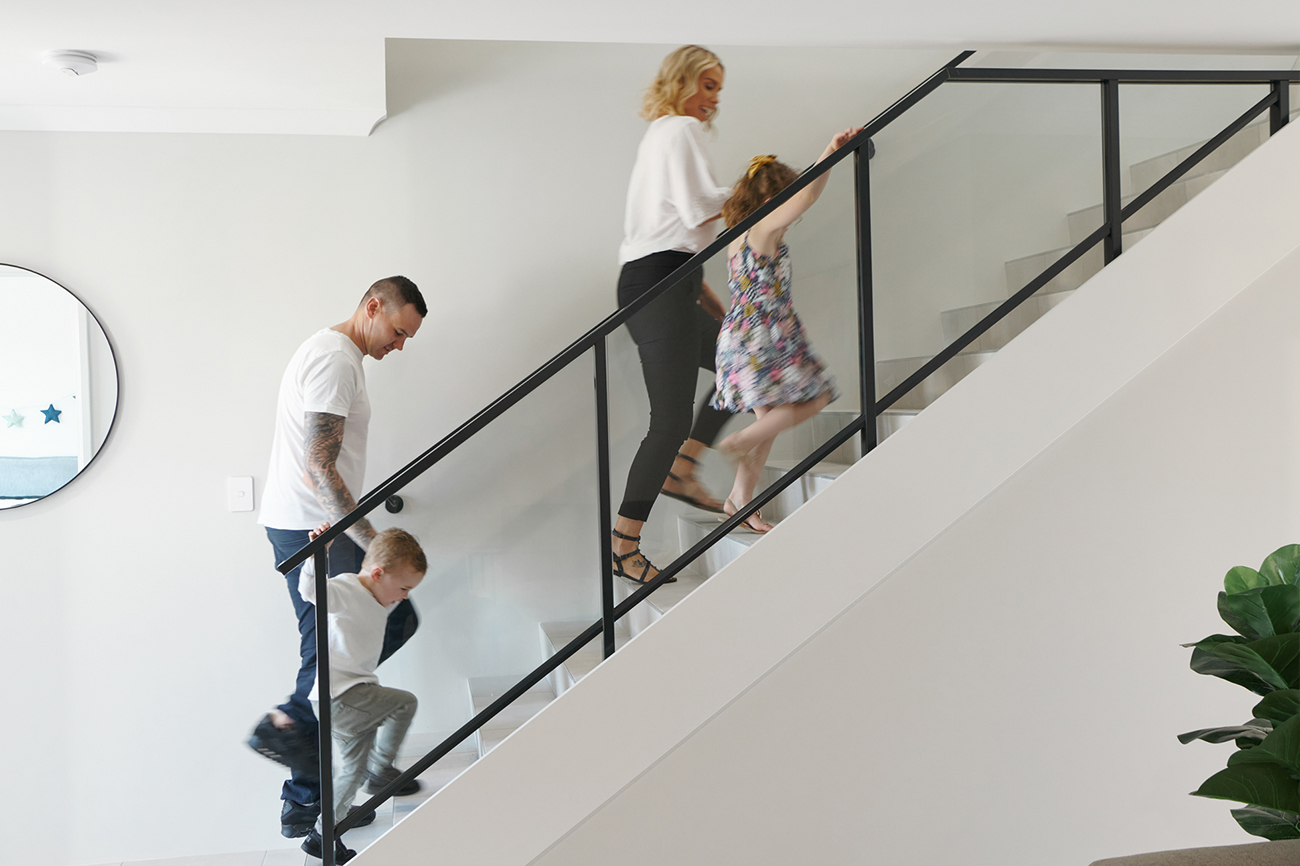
x,y
677,81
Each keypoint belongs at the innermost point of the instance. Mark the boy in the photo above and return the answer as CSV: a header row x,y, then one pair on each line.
x,y
368,721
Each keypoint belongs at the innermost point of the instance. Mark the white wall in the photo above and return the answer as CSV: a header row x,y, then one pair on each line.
x,y
966,650
145,626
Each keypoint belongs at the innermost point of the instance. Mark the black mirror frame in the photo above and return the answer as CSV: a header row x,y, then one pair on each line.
x,y
117,375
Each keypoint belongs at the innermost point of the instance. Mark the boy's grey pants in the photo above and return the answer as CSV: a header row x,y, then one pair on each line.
x,y
368,723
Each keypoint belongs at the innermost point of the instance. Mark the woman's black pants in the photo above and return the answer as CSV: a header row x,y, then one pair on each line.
x,y
674,338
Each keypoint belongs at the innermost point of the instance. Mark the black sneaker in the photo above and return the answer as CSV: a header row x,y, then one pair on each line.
x,y
378,781
289,747
296,820
364,822
312,845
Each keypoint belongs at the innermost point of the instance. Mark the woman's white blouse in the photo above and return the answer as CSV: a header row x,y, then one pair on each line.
x,y
672,192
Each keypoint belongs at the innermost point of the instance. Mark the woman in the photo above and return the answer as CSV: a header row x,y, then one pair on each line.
x,y
672,203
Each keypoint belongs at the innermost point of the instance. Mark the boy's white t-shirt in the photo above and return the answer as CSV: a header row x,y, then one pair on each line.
x,y
672,193
324,375
356,629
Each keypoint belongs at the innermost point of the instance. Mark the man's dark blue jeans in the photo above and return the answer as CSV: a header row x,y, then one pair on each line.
x,y
344,558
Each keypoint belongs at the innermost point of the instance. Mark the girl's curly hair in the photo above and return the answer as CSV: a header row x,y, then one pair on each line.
x,y
755,187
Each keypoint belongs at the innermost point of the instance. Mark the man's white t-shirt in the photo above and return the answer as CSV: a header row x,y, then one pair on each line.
x,y
325,375
356,629
672,193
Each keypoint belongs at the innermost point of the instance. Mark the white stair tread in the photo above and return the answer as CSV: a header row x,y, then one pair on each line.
x,y
665,597
706,524
585,660
1200,182
529,704
1130,238
824,469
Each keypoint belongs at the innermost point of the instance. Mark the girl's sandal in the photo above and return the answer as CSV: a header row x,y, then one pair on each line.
x,y
683,497
746,522
618,562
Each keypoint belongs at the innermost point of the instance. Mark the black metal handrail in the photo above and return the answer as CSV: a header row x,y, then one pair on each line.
x,y
615,320
870,408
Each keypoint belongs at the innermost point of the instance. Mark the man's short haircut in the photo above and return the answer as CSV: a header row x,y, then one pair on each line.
x,y
393,547
395,293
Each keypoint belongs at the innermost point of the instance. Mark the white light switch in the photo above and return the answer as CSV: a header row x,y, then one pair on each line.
x,y
239,493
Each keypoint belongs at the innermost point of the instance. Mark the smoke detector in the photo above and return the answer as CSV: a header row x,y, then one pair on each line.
x,y
71,62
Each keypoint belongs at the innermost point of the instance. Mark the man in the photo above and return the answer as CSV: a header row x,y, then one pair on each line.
x,y
318,462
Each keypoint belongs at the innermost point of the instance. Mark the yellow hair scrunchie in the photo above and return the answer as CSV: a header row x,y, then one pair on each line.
x,y
758,162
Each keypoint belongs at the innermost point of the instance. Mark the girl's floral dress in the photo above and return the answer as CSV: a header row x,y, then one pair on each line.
x,y
763,354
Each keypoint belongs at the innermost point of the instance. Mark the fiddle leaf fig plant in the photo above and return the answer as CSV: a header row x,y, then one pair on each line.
x,y
1263,608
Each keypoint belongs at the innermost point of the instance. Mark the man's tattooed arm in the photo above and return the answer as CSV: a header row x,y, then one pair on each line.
x,y
324,433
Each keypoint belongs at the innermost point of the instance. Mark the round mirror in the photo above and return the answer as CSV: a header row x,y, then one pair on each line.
x,y
58,386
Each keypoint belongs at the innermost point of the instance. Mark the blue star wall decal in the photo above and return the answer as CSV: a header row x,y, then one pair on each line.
x,y
14,419
52,414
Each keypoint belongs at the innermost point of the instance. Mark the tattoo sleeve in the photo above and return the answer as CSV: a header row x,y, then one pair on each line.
x,y
324,436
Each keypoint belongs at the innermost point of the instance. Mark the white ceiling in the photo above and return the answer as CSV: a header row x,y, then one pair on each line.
x,y
317,66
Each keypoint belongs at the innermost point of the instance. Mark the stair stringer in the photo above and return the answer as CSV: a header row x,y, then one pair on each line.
x,y
634,709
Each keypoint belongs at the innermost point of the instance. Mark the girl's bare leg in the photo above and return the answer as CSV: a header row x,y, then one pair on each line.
x,y
743,443
748,473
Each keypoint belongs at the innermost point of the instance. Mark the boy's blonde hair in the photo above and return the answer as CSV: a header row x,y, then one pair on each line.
x,y
677,81
395,546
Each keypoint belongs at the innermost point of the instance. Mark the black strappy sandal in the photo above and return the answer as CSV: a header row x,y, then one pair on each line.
x,y
618,561
682,497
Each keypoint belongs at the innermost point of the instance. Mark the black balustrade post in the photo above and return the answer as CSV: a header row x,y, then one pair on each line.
x,y
602,468
1112,208
1280,113
323,709
866,317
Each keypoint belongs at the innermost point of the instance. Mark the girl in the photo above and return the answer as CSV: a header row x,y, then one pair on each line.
x,y
764,361
672,202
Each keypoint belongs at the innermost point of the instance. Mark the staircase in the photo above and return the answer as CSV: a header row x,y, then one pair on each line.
x,y
693,525
1081,223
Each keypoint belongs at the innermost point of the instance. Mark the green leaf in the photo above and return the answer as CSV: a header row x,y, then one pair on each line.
x,y
1266,785
1278,706
1214,639
1282,566
1281,653
1245,612
1239,664
1280,748
1223,735
1263,611
1268,823
1283,606
1242,578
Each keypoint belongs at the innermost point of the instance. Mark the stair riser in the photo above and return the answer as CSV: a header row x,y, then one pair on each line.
x,y
1020,271
1229,154
640,617
891,422
717,557
889,374
957,322
1084,222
